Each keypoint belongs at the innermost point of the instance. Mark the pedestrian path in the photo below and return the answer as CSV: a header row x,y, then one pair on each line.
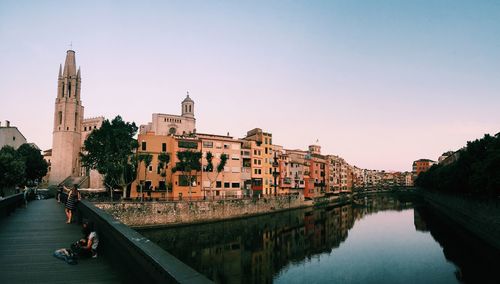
x,y
29,236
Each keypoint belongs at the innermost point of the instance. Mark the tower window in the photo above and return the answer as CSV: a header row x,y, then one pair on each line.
x,y
69,90
189,108
143,145
60,117
163,147
76,117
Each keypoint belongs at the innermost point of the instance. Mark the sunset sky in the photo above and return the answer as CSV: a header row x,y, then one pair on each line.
x,y
380,83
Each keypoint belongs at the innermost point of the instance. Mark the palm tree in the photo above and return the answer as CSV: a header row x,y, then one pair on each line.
x,y
210,168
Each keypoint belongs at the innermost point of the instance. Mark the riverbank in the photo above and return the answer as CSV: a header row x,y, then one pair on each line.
x,y
162,214
480,217
158,214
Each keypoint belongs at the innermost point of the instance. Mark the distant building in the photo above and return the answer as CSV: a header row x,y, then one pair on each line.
x,y
165,124
422,165
11,136
264,141
318,172
449,158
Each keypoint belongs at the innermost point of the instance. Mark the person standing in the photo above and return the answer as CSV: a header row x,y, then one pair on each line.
x,y
73,198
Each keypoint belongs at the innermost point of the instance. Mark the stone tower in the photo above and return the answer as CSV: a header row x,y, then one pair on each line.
x,y
68,117
188,107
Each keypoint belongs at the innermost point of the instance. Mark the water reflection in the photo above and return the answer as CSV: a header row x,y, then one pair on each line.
x,y
298,246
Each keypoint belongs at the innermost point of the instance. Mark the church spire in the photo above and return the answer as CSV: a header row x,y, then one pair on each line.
x,y
69,64
60,70
78,75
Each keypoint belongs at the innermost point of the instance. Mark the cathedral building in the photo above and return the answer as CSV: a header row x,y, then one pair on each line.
x,y
70,130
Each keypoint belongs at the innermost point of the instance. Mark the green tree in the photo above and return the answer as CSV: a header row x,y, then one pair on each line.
x,y
189,164
110,150
476,171
12,168
146,159
210,168
35,165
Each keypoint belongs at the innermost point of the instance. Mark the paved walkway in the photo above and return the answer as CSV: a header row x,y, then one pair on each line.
x,y
29,236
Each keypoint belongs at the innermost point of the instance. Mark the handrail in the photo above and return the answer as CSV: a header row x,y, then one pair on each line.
x,y
143,257
10,203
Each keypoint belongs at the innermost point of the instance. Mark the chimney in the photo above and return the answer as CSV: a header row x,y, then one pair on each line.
x,y
7,123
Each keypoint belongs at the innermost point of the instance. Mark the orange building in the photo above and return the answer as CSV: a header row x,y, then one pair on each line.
x,y
422,165
156,182
319,173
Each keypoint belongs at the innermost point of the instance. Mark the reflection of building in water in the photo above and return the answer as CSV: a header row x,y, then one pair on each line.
x,y
255,250
420,224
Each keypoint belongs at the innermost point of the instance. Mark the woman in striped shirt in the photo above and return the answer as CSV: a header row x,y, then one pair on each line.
x,y
73,198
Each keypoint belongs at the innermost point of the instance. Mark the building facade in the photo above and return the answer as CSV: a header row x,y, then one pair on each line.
x,y
11,136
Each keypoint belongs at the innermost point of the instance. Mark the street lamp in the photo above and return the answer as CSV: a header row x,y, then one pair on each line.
x,y
275,173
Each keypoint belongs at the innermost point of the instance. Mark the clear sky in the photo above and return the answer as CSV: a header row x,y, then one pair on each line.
x,y
380,83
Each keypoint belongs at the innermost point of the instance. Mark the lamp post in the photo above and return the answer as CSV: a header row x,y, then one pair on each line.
x,y
275,173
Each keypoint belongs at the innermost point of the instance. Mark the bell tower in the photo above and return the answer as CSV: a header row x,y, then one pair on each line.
x,y
188,107
68,116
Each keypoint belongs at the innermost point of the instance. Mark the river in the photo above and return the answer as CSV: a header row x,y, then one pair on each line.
x,y
377,239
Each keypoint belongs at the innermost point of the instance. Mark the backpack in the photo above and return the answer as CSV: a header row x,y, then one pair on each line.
x,y
67,255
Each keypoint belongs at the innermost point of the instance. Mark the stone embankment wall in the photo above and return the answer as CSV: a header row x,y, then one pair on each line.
x,y
164,213
480,217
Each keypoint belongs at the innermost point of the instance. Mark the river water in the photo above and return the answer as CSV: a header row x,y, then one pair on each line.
x,y
377,239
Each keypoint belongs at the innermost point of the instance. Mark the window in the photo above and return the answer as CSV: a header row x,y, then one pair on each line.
x,y
188,144
163,147
13,138
59,115
235,185
265,150
208,144
189,108
226,185
226,146
172,130
235,157
218,184
150,168
143,145
265,142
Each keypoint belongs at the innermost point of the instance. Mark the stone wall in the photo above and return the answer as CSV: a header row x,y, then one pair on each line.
x,y
164,213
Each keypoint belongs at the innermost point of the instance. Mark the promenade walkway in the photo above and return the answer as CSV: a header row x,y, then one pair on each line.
x,y
29,236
